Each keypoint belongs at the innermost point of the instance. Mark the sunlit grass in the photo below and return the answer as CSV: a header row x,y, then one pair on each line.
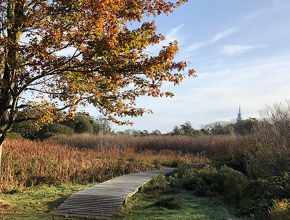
x,y
143,206
36,203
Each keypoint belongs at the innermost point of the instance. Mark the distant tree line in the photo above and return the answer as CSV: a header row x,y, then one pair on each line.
x,y
134,132
243,127
84,123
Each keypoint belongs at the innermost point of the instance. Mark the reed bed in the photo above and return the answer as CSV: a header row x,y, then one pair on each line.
x,y
208,145
29,163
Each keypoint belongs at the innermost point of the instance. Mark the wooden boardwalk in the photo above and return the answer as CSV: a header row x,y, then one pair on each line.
x,y
103,200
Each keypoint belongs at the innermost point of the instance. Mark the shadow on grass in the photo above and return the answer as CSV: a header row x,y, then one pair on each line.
x,y
54,204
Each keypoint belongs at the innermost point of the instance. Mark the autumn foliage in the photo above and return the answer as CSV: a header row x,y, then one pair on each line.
x,y
55,55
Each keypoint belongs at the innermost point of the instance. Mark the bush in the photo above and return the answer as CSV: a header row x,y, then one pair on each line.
x,y
53,130
280,210
268,152
265,152
249,196
26,129
169,203
156,183
225,182
233,158
14,135
61,129
262,192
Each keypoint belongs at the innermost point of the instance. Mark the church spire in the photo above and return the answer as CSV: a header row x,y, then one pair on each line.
x,y
239,116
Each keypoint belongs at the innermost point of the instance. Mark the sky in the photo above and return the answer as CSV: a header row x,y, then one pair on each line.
x,y
241,52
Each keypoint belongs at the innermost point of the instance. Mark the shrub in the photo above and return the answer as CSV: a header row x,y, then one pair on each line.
x,y
53,130
169,203
156,183
268,148
248,196
265,152
225,182
280,210
233,158
27,129
14,135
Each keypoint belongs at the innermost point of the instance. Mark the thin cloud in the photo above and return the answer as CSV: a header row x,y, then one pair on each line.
x,y
196,46
239,49
221,35
253,15
172,35
217,37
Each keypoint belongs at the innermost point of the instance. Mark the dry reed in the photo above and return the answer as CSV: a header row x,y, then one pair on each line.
x,y
209,145
27,163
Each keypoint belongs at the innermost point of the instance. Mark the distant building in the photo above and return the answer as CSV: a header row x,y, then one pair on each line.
x,y
239,116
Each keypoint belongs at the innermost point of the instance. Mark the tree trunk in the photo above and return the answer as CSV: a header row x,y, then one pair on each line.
x,y
2,138
8,100
1,149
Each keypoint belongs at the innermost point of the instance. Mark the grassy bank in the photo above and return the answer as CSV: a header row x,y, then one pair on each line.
x,y
36,203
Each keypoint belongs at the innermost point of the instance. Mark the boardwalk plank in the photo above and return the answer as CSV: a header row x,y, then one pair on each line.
x,y
103,200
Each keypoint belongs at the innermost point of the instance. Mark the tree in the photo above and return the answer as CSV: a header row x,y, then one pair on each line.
x,y
144,133
81,123
54,129
103,125
156,132
185,129
220,128
57,54
26,129
245,127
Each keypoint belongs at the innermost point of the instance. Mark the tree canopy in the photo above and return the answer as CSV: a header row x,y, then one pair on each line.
x,y
58,54
81,123
185,129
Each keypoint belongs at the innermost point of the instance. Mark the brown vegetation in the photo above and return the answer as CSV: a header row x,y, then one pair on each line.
x,y
28,163
261,187
209,145
5,205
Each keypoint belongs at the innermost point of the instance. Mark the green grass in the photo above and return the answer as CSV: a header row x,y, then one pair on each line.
x,y
37,202
145,206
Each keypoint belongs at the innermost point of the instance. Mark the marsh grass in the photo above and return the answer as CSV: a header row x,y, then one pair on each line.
x,y
31,163
208,145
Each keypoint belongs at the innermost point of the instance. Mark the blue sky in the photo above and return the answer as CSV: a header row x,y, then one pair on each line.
x,y
241,52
